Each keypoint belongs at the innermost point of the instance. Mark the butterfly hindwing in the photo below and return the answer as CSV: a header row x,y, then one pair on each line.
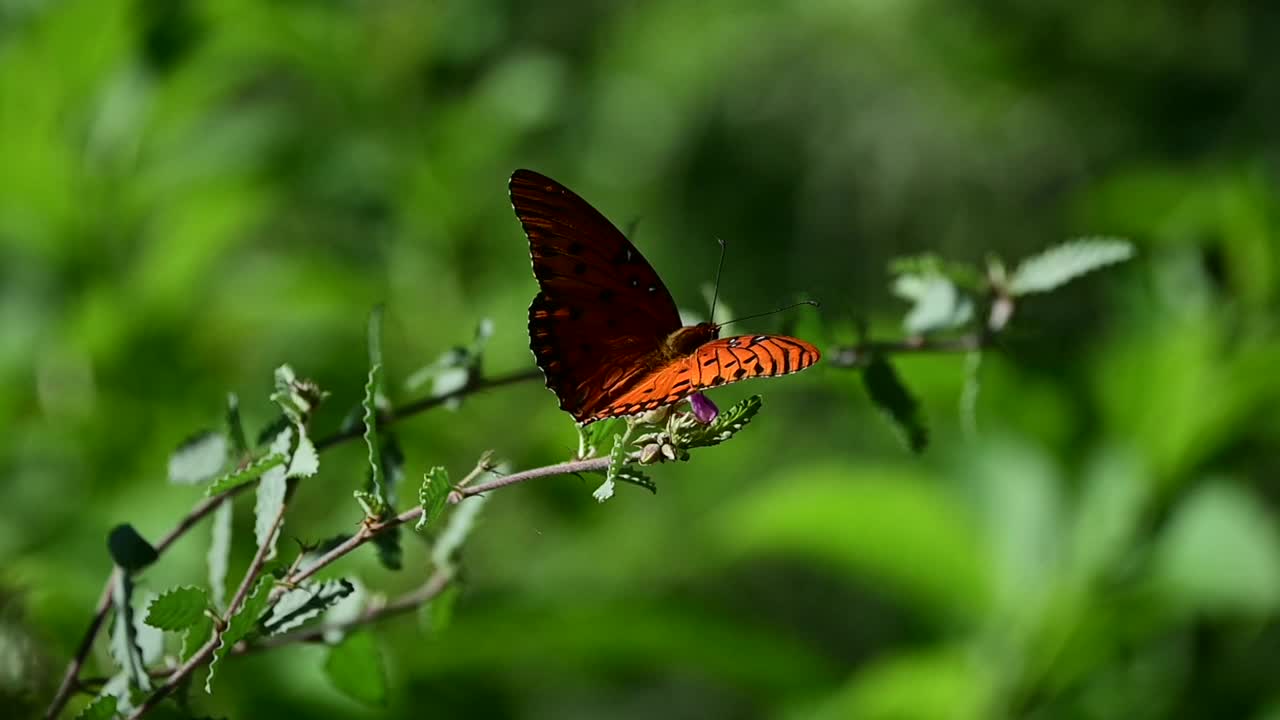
x,y
719,362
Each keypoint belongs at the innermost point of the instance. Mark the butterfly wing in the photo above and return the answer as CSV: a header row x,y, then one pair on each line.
x,y
715,363
602,312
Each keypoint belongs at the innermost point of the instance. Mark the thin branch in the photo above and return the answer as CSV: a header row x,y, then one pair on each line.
x,y
208,505
564,468
435,584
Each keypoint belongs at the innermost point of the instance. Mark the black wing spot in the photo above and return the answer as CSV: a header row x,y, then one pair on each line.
x,y
737,374
717,380
606,295
757,340
580,268
708,362
575,313
576,248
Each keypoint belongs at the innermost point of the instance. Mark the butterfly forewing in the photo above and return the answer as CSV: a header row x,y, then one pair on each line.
x,y
602,311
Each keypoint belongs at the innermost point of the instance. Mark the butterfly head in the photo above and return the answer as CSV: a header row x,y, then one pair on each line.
x,y
684,341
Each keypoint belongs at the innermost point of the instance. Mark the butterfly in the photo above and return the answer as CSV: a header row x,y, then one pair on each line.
x,y
604,329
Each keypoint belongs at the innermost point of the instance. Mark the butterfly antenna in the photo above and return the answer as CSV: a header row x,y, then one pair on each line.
x,y
716,295
778,310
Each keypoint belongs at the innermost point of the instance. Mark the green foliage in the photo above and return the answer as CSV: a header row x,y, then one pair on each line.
x,y
937,303
888,392
178,609
303,603
617,460
219,556
438,613
198,459
455,369
241,625
690,434
355,667
433,496
1061,264
246,474
130,550
103,707
124,647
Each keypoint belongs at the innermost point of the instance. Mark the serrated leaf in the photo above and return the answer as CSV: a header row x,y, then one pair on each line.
x,y
635,476
130,550
177,609
727,424
374,494
888,393
455,532
344,613
303,603
937,303
235,428
124,648
594,436
198,458
219,555
438,614
433,495
305,461
355,668
103,707
270,495
1063,263
245,475
617,459
242,624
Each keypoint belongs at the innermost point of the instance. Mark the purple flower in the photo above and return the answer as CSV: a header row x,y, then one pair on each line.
x,y
703,409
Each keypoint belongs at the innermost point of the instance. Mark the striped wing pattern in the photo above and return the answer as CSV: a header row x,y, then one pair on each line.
x,y
719,362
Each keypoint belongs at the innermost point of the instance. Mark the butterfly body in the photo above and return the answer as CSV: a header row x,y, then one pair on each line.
x,y
604,329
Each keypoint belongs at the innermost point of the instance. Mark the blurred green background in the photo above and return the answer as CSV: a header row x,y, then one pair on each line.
x,y
192,193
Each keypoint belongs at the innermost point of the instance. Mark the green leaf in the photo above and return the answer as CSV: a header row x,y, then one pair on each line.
x,y
596,435
963,275
242,624
130,550
178,609
433,495
219,555
245,475
198,458
124,647
235,428
728,423
355,668
937,303
270,496
455,532
103,707
888,393
374,494
1220,553
196,636
617,459
438,614
1060,264
382,497
635,476
303,603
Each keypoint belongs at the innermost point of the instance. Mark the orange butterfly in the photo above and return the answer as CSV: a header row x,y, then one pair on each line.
x,y
605,330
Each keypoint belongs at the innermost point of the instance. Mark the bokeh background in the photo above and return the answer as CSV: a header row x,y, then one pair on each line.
x,y
192,193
